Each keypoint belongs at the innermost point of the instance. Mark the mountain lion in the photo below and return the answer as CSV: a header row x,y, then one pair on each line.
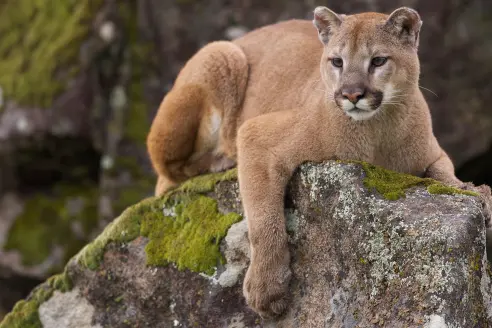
x,y
287,93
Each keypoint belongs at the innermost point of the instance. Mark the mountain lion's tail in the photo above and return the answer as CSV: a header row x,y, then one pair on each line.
x,y
194,130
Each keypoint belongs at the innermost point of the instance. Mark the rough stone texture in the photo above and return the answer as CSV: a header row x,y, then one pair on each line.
x,y
67,310
359,260
392,263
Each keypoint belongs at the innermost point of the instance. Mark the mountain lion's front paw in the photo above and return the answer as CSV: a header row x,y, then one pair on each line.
x,y
266,285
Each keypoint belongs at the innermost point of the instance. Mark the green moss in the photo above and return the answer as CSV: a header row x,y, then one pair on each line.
x,y
475,263
39,46
25,312
205,183
46,222
392,185
60,282
190,238
437,188
123,229
196,215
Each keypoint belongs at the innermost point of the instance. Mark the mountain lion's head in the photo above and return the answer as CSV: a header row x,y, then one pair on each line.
x,y
370,60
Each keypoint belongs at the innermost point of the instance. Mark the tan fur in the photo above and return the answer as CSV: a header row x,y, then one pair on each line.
x,y
185,139
292,111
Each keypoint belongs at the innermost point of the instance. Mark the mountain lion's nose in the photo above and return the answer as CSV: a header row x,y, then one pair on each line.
x,y
353,94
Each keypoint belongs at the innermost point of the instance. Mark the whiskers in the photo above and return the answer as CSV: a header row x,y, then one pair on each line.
x,y
423,88
330,96
398,97
391,103
394,98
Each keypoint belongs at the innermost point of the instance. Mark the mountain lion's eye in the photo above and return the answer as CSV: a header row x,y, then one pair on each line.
x,y
337,62
379,61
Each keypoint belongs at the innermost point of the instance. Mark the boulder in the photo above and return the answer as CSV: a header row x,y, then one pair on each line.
x,y
370,248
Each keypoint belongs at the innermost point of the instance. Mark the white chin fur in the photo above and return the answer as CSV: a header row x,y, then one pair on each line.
x,y
347,105
361,115
364,113
362,104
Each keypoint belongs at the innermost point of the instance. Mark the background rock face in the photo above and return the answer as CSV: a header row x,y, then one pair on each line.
x,y
80,83
72,131
359,260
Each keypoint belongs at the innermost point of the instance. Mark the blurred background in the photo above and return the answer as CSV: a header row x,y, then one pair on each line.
x,y
80,81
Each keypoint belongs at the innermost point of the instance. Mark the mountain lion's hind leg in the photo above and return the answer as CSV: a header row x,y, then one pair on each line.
x,y
194,129
270,147
172,135
182,141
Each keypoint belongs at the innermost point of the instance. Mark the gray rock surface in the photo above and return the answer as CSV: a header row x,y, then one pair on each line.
x,y
359,260
67,310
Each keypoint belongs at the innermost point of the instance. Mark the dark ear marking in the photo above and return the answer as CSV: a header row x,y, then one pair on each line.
x,y
326,22
405,23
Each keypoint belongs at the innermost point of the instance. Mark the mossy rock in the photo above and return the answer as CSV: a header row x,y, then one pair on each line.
x,y
39,47
393,185
25,312
47,222
190,237
159,254
188,233
179,234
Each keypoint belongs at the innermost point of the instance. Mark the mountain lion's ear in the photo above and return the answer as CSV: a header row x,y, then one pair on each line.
x,y
326,21
405,23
